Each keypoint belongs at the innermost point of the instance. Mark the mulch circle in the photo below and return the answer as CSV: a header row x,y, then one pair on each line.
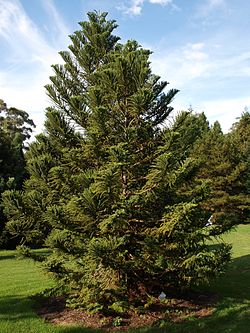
x,y
54,310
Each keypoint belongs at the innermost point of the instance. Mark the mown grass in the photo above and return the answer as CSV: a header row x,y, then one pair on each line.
x,y
19,279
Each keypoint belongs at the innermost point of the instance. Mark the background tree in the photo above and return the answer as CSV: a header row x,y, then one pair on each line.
x,y
123,207
15,129
225,163
238,141
186,131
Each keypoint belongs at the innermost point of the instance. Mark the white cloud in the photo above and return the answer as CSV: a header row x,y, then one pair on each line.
x,y
234,65
27,45
62,29
194,52
183,64
215,3
161,2
206,74
20,33
135,6
209,6
224,110
27,93
197,63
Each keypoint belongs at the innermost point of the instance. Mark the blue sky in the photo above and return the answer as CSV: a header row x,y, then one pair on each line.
x,y
201,47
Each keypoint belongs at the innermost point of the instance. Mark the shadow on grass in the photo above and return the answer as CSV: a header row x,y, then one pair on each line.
x,y
15,308
10,256
229,317
13,254
235,283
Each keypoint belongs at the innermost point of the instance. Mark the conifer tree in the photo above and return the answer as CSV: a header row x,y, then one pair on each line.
x,y
238,141
225,163
123,208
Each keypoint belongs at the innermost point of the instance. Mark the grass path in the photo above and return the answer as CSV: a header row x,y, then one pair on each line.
x,y
19,279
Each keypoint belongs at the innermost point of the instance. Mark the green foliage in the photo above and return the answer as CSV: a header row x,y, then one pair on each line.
x,y
117,321
116,192
15,129
228,170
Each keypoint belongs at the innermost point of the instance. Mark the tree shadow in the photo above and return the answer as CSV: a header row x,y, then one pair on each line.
x,y
15,308
5,257
235,282
228,317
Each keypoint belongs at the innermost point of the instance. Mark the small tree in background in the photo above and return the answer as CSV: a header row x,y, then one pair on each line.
x,y
225,163
122,205
238,141
15,128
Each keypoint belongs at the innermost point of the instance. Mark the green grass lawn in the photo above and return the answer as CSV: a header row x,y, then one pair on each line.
x,y
19,279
